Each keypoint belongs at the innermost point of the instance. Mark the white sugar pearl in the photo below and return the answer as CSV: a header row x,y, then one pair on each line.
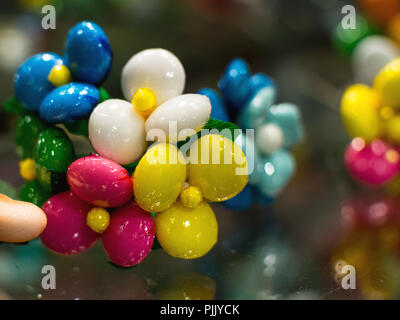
x,y
176,115
116,131
156,69
269,138
371,55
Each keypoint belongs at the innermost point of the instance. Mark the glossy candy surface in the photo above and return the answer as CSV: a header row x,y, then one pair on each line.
x,y
256,109
360,112
187,111
54,151
130,235
27,132
88,53
69,102
218,110
375,163
66,231
156,69
100,181
387,84
217,167
234,83
187,233
116,131
31,82
32,192
159,177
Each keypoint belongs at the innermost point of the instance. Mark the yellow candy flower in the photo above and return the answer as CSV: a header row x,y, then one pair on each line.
x,y
372,113
172,186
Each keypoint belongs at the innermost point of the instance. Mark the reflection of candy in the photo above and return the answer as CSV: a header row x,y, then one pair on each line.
x,y
218,167
187,286
159,177
156,69
66,231
187,233
31,82
87,53
99,181
374,164
129,237
360,112
116,131
187,111
69,102
20,221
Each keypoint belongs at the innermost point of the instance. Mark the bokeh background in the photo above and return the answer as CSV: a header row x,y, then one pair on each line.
x,y
285,250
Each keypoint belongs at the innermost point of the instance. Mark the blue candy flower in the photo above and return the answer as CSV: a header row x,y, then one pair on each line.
x,y
43,82
250,101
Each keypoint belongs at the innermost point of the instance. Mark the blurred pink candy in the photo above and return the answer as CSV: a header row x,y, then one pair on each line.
x,y
374,164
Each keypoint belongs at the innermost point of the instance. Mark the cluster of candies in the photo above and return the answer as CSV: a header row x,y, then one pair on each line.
x,y
375,40
371,118
249,100
371,244
129,191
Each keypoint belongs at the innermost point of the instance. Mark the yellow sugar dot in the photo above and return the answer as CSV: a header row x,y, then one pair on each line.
x,y
191,197
27,169
144,101
386,112
59,75
98,219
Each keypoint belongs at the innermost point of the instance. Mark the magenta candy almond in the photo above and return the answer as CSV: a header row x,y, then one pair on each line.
x,y
130,235
374,164
66,231
100,181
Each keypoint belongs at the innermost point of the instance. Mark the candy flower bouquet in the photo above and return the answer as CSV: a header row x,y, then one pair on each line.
x,y
154,167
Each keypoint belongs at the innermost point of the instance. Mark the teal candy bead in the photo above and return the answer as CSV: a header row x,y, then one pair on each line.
x,y
275,170
287,116
256,109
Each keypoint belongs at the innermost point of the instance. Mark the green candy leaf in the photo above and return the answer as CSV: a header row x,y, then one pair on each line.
x,y
215,124
104,95
54,150
27,132
32,192
12,105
